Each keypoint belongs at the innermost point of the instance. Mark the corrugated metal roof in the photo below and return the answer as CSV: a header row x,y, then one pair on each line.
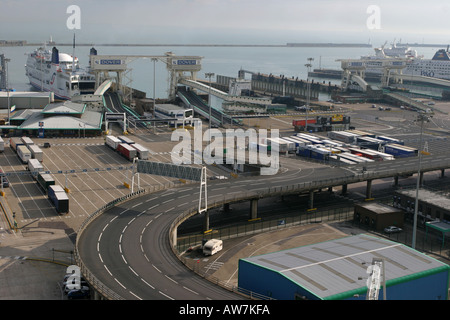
x,y
89,120
340,266
68,107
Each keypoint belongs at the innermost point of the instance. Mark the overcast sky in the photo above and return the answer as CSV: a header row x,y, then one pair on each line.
x,y
227,21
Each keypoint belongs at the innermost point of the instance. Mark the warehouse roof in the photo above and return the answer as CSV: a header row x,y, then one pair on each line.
x,y
337,269
66,107
89,120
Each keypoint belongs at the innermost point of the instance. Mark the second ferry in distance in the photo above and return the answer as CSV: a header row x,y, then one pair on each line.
x,y
60,73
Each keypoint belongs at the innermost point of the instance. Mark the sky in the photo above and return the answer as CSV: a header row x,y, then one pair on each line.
x,y
227,21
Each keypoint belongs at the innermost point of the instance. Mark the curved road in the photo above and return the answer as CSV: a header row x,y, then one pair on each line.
x,y
127,247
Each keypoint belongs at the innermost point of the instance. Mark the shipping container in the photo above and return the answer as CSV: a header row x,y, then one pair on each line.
x,y
311,138
23,153
142,152
59,198
127,151
112,142
301,123
125,139
14,142
45,180
36,152
35,166
400,151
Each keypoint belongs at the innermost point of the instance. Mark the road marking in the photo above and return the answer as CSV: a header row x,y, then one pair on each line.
x,y
166,296
120,283
170,278
190,290
135,295
156,268
148,284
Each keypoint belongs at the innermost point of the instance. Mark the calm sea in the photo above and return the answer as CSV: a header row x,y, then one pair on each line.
x,y
226,61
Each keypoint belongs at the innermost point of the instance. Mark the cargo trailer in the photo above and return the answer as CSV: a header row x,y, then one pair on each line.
x,y
354,157
112,142
14,142
2,145
23,153
59,198
35,166
290,145
388,140
320,154
27,141
125,139
400,151
36,152
45,180
127,151
343,136
142,152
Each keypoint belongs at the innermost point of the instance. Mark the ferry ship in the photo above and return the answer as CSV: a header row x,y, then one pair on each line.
x,y
436,67
60,73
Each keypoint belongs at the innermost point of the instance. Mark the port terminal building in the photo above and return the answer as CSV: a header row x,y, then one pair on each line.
x,y
57,119
338,270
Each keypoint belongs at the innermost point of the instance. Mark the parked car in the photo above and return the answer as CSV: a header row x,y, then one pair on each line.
x,y
392,229
5,180
84,292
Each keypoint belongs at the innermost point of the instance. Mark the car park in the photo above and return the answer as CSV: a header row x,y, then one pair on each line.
x,y
392,229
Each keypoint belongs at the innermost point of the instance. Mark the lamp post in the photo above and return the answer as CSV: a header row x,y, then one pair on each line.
x,y
7,88
308,90
154,85
421,117
209,75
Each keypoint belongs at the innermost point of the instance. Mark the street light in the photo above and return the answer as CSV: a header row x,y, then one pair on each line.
x,y
154,80
209,75
7,88
421,117
308,90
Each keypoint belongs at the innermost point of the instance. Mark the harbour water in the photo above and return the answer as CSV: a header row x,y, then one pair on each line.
x,y
226,61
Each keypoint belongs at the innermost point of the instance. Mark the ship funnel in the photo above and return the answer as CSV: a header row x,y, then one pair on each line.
x,y
55,56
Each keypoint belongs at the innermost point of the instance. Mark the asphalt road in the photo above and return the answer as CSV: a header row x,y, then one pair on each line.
x,y
127,248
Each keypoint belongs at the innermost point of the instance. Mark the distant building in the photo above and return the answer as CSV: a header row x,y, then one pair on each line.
x,y
377,216
58,119
431,205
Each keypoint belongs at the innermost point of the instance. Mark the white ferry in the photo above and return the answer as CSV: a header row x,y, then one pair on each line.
x,y
60,73
436,67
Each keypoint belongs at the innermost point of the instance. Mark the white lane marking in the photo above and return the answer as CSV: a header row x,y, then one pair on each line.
x,y
165,295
